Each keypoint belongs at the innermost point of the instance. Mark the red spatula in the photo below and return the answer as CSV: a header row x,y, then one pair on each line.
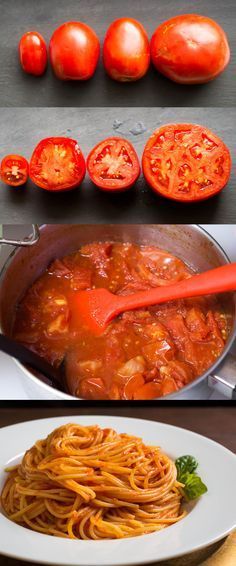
x,y
97,307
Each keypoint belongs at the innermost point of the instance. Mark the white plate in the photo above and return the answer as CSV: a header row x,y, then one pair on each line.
x,y
212,517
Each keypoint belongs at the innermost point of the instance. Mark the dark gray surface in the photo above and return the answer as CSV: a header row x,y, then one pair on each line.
x,y
21,129
19,89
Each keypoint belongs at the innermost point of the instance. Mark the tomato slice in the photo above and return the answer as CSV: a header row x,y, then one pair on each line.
x,y
186,162
14,170
113,164
57,164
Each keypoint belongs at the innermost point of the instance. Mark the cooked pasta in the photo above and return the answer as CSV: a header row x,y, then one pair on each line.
x,y
92,483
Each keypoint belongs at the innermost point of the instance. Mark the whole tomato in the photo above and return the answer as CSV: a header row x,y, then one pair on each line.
x,y
126,51
33,53
74,51
190,49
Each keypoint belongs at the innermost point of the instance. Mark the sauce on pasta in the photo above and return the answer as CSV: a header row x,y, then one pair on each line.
x,y
92,483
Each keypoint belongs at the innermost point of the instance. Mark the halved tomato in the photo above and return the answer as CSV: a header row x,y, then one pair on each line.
x,y
113,165
57,164
14,170
186,162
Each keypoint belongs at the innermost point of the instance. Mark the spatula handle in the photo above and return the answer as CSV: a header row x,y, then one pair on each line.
x,y
217,280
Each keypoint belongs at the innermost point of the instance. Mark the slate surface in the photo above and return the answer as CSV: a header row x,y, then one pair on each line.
x,y
21,129
19,89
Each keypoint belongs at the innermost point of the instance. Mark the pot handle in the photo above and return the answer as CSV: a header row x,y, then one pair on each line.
x,y
28,241
224,379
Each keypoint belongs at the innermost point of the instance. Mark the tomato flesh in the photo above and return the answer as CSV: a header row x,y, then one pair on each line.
x,y
14,170
33,53
186,162
190,49
74,51
57,164
126,50
113,164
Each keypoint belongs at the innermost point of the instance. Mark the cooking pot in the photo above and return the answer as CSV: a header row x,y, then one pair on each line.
x,y
27,260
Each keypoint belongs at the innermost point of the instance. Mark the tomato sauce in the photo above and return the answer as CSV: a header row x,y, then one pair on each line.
x,y
143,354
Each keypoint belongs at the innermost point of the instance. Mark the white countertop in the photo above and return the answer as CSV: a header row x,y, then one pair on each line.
x,y
11,386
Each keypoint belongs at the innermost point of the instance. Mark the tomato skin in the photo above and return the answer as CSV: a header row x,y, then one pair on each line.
x,y
33,53
74,51
14,170
57,156
190,49
113,184
176,154
126,50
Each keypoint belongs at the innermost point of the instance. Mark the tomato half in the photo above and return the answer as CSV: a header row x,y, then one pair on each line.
x,y
126,50
186,162
113,165
74,51
14,170
190,49
33,53
57,164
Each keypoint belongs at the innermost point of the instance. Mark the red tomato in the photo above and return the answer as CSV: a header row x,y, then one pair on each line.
x,y
126,51
113,165
190,49
74,51
14,170
186,162
33,53
57,164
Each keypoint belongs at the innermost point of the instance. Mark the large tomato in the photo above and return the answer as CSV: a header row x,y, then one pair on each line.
x,y
126,50
33,53
190,49
57,164
14,170
113,165
74,51
186,162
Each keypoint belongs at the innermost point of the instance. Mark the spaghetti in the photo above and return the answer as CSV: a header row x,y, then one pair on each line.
x,y
92,483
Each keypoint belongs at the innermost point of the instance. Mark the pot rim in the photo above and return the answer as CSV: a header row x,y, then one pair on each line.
x,y
51,390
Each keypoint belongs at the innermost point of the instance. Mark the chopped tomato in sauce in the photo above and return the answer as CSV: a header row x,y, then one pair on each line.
x,y
143,354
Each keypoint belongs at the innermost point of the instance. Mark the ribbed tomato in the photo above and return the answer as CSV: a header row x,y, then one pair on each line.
x,y
186,162
190,49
